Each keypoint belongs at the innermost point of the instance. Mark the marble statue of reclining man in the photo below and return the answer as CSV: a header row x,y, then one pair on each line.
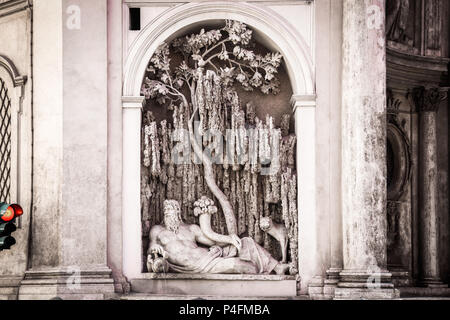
x,y
179,243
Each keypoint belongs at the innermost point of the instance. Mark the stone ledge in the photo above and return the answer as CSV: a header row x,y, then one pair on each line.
x,y
342,293
13,6
64,272
416,292
89,284
9,287
143,296
230,277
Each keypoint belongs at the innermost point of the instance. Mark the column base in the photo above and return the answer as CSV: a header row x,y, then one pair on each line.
x,y
432,283
324,289
9,287
67,284
401,279
331,283
315,288
361,285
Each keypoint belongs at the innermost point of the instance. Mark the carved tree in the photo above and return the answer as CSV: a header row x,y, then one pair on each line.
x,y
213,61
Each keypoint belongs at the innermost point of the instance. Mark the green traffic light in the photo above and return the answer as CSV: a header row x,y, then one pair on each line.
x,y
7,228
6,242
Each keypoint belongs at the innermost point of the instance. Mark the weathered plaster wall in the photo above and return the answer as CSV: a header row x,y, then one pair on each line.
x,y
115,139
69,227
84,185
48,139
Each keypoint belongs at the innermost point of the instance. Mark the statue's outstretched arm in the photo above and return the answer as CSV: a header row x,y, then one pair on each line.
x,y
204,208
219,239
201,238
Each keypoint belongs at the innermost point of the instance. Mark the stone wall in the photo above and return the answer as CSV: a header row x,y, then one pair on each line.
x,y
417,49
15,45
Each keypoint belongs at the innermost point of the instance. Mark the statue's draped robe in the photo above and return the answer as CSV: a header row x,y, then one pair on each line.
x,y
397,18
250,252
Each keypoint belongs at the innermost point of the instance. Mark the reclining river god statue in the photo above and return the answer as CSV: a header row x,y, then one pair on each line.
x,y
189,248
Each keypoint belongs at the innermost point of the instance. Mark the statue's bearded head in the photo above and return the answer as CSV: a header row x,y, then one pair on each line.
x,y
172,215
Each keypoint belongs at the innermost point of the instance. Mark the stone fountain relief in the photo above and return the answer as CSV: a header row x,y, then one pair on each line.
x,y
218,182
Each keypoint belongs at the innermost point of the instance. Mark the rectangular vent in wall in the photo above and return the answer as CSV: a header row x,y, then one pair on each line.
x,y
135,19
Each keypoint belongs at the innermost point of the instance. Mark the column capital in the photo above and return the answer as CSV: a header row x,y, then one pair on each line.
x,y
133,102
303,101
429,99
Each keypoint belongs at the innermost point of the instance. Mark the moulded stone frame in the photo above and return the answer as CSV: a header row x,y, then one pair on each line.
x,y
15,83
401,148
300,68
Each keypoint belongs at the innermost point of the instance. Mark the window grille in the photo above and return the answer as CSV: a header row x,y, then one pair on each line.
x,y
5,143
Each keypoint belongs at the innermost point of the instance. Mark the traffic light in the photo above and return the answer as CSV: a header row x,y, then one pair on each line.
x,y
8,215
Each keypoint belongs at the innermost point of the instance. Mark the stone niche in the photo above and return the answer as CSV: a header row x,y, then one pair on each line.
x,y
399,172
399,188
216,91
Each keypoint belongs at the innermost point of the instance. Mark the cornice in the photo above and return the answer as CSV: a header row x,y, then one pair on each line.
x,y
9,66
13,6
133,102
406,70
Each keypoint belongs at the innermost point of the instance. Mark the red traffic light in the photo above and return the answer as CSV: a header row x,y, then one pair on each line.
x,y
10,211
18,211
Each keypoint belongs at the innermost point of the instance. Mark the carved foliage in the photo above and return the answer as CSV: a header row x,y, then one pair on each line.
x,y
428,99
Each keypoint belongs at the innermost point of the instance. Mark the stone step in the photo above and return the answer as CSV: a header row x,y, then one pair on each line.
x,y
143,296
416,292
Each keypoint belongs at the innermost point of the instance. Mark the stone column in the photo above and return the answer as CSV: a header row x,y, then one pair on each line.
x,y
364,153
427,102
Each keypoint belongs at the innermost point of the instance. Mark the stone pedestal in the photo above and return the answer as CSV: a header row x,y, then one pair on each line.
x,y
216,285
427,101
365,273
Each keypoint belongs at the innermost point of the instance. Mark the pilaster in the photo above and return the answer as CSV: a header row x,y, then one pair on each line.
x,y
427,102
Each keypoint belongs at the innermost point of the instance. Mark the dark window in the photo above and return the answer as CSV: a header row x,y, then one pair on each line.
x,y
135,19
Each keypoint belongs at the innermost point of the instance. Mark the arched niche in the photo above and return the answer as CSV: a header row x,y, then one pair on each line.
x,y
268,26
276,34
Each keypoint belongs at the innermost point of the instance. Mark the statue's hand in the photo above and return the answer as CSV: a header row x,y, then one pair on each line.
x,y
216,249
159,250
230,251
236,241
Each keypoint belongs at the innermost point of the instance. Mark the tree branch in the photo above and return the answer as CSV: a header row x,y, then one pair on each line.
x,y
215,47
